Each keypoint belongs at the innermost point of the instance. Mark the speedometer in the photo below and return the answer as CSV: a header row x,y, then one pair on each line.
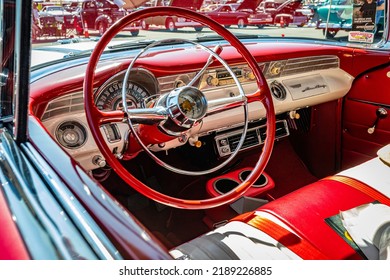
x,y
110,97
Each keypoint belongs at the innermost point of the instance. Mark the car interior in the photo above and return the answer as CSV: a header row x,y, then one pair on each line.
x,y
223,148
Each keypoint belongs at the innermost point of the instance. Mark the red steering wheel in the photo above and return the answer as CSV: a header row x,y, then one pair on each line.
x,y
96,117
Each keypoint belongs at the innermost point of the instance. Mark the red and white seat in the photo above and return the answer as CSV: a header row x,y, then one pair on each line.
x,y
294,226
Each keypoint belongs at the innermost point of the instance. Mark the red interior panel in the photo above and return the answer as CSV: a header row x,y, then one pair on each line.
x,y
369,92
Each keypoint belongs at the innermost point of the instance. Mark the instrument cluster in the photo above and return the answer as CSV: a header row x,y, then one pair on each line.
x,y
294,83
140,87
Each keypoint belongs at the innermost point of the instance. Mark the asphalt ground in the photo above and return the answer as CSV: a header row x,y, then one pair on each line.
x,y
190,33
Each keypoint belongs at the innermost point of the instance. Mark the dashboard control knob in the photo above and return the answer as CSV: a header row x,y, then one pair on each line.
x,y
251,76
275,70
212,81
195,142
99,161
198,144
294,115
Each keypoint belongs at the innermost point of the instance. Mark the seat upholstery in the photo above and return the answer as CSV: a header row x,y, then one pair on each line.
x,y
301,213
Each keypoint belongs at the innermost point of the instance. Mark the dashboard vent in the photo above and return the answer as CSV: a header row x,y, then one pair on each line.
x,y
307,64
65,104
227,143
278,90
252,139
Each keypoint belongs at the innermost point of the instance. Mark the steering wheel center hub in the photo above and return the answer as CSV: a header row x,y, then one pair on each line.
x,y
186,106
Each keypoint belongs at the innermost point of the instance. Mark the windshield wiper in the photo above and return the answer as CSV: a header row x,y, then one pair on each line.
x,y
175,41
144,44
214,37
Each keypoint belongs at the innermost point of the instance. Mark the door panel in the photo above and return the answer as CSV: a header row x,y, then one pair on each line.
x,y
367,95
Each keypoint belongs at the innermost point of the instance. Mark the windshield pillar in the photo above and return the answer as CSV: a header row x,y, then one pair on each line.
x,y
22,70
15,66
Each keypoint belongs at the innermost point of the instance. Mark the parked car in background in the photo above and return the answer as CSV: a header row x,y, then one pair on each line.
x,y
334,16
267,6
55,20
233,14
72,6
56,11
284,14
101,14
306,10
337,15
172,23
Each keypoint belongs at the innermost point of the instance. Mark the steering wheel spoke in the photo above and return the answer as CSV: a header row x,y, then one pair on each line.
x,y
147,115
222,104
212,57
105,117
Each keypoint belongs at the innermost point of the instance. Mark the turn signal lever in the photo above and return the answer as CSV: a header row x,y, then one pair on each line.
x,y
381,113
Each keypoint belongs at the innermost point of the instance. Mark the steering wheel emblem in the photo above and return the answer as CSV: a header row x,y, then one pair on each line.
x,y
186,105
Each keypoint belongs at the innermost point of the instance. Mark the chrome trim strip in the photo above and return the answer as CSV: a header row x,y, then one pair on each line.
x,y
84,222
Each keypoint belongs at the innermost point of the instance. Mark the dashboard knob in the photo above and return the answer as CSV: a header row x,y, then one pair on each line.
x,y
251,76
193,141
198,144
294,115
99,161
212,81
275,71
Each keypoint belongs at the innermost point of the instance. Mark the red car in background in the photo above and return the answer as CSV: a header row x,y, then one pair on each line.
x,y
233,14
283,14
100,15
172,23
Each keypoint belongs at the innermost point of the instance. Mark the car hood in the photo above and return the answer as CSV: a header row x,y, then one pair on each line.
x,y
195,4
62,49
56,13
249,5
291,3
129,4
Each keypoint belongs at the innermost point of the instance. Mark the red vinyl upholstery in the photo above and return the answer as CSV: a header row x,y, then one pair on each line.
x,y
306,209
296,222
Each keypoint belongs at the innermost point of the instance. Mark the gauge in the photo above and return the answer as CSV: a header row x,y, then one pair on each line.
x,y
192,103
110,98
71,134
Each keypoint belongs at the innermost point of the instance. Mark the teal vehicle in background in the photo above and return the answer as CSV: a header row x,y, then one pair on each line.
x,y
336,15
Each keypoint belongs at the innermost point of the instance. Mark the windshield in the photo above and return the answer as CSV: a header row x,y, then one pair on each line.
x,y
358,22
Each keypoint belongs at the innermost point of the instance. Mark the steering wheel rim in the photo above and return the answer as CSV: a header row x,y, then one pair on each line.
x,y
94,116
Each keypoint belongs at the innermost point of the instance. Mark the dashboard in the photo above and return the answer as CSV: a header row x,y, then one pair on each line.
x,y
295,84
